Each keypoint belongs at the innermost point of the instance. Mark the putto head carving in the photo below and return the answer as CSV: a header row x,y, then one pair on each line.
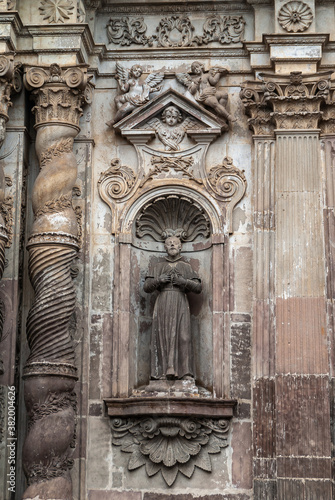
x,y
171,116
172,215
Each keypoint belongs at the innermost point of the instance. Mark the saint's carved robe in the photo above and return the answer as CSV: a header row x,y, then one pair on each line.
x,y
171,341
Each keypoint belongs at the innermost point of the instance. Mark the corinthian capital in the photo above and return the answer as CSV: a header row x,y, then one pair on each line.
x,y
287,101
59,93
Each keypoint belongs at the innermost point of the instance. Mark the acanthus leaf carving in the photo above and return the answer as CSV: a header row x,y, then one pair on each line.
x,y
125,31
176,31
170,444
116,182
227,181
225,29
56,11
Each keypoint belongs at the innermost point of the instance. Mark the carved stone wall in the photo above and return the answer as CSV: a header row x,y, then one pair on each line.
x,y
212,122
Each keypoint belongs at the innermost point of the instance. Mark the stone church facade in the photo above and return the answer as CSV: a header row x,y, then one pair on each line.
x,y
167,228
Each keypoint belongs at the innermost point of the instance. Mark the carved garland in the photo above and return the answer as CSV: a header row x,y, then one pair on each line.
x,y
166,164
170,444
176,31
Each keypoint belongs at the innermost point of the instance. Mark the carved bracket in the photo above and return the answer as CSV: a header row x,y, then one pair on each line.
x,y
163,437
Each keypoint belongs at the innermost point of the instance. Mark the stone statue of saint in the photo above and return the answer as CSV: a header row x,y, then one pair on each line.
x,y
171,342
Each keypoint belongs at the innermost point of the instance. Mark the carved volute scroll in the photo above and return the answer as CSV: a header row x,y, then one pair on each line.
x,y
53,244
10,80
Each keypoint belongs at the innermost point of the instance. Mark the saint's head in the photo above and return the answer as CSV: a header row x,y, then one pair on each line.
x,y
172,246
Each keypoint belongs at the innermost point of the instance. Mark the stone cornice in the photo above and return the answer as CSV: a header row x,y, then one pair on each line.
x,y
166,6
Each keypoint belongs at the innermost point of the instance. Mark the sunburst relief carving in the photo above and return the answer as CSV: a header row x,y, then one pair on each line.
x,y
295,16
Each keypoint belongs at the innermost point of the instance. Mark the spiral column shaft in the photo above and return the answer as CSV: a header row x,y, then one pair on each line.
x,y
50,372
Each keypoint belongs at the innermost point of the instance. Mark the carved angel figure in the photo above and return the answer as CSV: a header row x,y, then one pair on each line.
x,y
171,128
202,84
134,91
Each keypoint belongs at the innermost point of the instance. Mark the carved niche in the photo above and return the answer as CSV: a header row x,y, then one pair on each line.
x,y
173,425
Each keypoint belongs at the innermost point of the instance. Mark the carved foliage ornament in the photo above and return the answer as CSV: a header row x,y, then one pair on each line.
x,y
295,17
166,164
176,31
127,30
117,182
172,215
227,181
170,444
56,11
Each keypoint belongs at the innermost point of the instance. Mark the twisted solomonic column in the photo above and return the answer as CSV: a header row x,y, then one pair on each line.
x,y
50,373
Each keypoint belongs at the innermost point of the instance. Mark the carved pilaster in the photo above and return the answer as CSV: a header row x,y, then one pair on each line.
x,y
59,94
9,81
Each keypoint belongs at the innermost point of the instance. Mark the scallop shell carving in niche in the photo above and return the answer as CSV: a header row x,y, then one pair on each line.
x,y
172,215
295,16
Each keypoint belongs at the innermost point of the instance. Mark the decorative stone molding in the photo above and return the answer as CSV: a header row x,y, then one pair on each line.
x,y
116,182
59,94
2,413
10,81
125,31
260,121
166,164
56,11
172,216
170,444
227,181
222,29
167,29
176,31
286,101
295,16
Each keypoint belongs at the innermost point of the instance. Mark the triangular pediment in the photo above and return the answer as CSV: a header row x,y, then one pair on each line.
x,y
139,118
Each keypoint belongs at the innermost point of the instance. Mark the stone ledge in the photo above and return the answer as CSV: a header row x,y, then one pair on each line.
x,y
195,407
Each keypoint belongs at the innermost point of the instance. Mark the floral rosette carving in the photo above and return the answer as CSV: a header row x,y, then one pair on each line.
x,y
170,444
227,181
295,17
116,182
56,11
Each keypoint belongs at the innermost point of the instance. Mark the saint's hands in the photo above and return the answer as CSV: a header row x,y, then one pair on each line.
x,y
164,278
174,278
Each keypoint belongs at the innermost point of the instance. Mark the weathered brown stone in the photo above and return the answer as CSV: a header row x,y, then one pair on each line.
x,y
301,336
240,360
265,490
304,467
265,468
264,426
95,410
242,455
158,496
303,416
114,495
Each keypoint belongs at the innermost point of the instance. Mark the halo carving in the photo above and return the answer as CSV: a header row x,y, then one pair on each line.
x,y
172,215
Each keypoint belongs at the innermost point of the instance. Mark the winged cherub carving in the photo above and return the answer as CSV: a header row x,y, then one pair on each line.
x,y
135,92
171,128
202,85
